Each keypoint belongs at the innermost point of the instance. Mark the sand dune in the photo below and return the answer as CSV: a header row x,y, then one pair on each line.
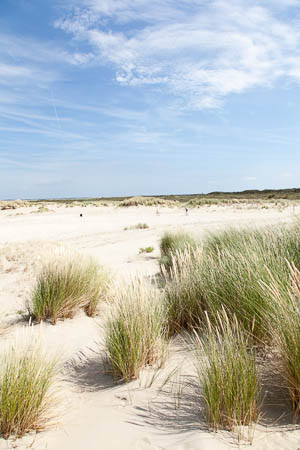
x,y
97,413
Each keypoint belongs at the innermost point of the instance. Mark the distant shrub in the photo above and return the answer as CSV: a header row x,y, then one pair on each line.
x,y
198,202
13,204
65,286
43,209
147,201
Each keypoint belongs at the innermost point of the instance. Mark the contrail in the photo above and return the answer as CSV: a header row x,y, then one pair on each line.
x,y
56,115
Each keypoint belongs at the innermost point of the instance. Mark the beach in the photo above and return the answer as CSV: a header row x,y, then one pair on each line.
x,y
97,413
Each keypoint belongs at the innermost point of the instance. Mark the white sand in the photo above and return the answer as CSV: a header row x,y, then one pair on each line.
x,y
98,413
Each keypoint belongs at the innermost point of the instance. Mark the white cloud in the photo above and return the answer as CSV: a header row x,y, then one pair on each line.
x,y
8,71
29,68
18,75
25,60
200,50
37,52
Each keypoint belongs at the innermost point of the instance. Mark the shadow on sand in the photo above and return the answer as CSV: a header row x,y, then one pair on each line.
x,y
91,373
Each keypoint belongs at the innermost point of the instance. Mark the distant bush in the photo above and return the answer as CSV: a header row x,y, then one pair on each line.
x,y
147,201
42,209
14,204
198,202
65,286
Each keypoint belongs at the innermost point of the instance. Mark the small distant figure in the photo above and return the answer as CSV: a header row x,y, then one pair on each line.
x,y
80,215
157,211
186,212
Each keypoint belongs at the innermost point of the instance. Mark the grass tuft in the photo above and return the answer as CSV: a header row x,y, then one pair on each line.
x,y
229,271
27,378
183,293
146,249
227,372
65,286
138,226
135,331
172,243
285,323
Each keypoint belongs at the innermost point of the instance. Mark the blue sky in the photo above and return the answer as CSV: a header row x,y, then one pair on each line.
x,y
125,97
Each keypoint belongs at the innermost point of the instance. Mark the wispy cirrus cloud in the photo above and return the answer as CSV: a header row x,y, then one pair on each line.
x,y
201,51
45,53
26,63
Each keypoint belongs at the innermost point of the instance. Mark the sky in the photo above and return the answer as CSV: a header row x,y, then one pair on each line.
x,y
128,97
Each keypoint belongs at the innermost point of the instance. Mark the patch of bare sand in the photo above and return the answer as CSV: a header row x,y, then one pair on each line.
x,y
101,414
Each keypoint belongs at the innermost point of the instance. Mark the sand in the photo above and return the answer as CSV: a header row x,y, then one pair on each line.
x,y
96,412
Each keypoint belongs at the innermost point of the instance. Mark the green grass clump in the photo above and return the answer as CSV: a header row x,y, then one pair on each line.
x,y
227,371
236,262
183,293
26,390
63,287
229,271
170,244
146,250
138,226
285,323
135,332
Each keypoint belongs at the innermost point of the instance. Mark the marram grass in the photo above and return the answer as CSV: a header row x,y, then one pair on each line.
x,y
183,293
136,330
27,381
66,285
285,323
227,372
170,244
228,270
